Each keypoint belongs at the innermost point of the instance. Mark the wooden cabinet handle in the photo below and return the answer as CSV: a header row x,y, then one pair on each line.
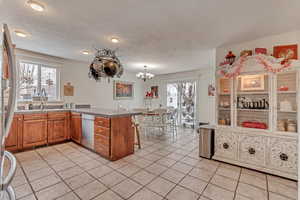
x,y
251,151
283,157
225,146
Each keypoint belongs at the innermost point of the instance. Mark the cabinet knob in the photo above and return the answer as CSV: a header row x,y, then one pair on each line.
x,y
283,157
225,146
251,151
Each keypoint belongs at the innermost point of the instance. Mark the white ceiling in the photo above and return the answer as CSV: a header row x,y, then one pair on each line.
x,y
167,35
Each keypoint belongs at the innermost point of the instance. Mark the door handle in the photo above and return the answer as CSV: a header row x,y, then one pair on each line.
x,y
12,82
11,193
12,170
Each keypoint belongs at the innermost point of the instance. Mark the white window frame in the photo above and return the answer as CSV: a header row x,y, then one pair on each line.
x,y
40,64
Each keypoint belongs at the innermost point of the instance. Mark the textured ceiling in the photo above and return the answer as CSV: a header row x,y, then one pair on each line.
x,y
167,35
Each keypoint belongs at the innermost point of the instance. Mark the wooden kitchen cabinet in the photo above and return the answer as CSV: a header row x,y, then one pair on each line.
x,y
57,127
76,127
113,137
34,130
102,136
122,137
13,141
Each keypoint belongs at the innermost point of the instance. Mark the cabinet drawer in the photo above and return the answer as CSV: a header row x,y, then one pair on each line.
x,y
102,131
226,144
55,115
76,115
102,150
282,155
100,139
252,149
37,116
102,121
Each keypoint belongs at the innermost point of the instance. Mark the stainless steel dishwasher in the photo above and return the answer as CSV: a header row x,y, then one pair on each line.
x,y
87,131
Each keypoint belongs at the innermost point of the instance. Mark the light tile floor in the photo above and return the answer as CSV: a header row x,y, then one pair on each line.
x,y
165,168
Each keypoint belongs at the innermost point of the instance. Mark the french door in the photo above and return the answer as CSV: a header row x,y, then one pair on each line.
x,y
182,96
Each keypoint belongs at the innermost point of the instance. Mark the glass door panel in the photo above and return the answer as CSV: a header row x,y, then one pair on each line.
x,y
182,97
287,102
224,102
253,101
187,104
172,95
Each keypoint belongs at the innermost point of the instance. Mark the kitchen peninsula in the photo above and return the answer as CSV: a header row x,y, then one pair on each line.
x,y
107,132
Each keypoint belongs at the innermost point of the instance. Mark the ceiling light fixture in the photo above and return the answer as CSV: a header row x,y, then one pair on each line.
x,y
35,5
85,52
144,75
20,34
115,40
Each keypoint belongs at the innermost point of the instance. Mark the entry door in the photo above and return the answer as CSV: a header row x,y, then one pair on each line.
x,y
182,96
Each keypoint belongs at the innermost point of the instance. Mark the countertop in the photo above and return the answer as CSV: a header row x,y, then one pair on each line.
x,y
106,112
208,126
91,111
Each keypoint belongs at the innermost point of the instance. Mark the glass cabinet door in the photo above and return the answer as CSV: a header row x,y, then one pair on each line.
x,y
253,101
286,84
224,101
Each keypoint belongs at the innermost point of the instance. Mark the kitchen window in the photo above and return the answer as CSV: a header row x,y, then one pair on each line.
x,y
36,80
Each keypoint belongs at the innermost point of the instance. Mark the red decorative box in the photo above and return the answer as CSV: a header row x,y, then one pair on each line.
x,y
283,88
260,51
258,125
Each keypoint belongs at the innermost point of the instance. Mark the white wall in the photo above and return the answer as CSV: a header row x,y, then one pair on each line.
x,y
86,91
204,104
98,94
266,42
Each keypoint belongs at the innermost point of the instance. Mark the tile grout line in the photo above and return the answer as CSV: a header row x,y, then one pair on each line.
x,y
28,182
60,177
154,148
237,185
209,182
268,196
96,178
144,168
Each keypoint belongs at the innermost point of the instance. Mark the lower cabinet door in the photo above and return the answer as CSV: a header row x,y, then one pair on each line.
x,y
282,155
226,144
76,127
252,149
57,130
34,132
13,142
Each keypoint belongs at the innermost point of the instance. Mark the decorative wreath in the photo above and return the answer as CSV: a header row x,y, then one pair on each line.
x,y
268,63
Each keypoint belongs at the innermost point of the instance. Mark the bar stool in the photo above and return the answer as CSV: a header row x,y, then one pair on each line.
x,y
135,125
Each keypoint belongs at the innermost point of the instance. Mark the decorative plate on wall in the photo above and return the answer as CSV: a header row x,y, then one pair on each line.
x,y
287,52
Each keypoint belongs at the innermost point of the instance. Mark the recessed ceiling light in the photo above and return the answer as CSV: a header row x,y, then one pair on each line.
x,y
20,33
85,52
115,40
35,5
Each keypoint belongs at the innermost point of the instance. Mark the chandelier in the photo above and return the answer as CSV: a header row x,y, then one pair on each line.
x,y
105,65
144,75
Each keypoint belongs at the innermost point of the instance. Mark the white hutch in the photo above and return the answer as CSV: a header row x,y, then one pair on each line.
x,y
268,100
